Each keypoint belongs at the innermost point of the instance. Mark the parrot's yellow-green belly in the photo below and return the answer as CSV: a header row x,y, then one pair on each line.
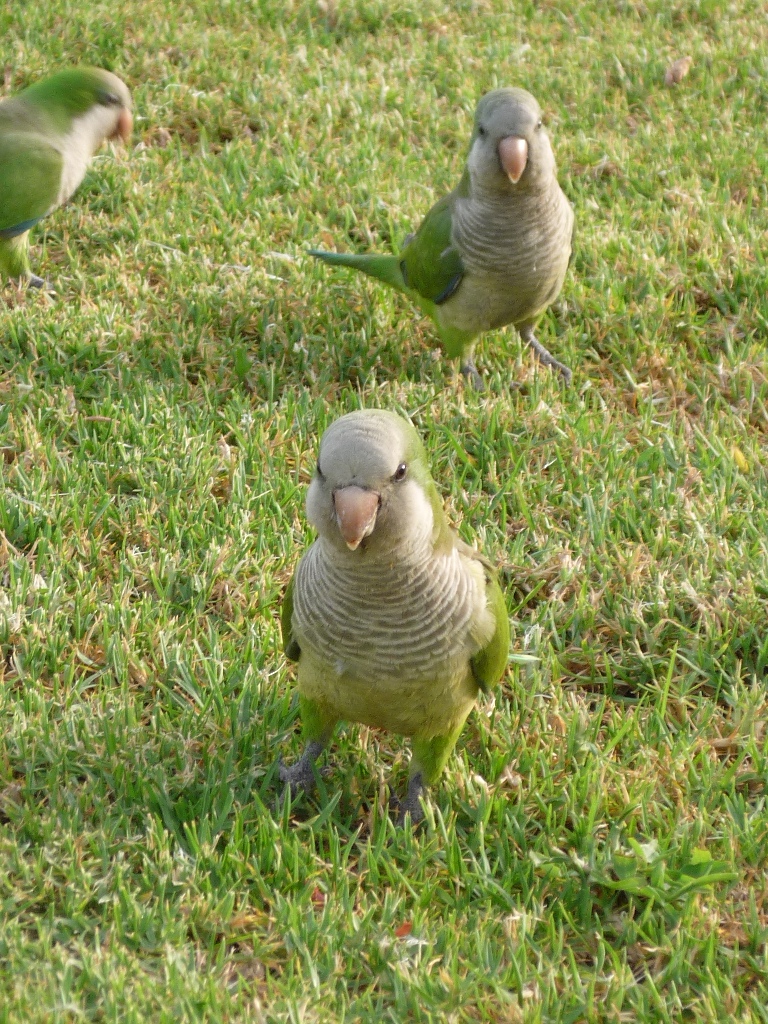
x,y
423,707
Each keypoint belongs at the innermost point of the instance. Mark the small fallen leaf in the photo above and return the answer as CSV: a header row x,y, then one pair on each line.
x,y
161,137
677,70
557,723
225,452
403,930
510,779
318,898
479,781
740,459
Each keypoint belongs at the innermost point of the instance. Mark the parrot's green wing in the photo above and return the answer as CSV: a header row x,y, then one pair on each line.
x,y
290,644
30,176
489,663
429,262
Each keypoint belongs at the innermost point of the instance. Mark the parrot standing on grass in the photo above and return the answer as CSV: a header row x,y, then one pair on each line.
x,y
395,622
495,250
48,134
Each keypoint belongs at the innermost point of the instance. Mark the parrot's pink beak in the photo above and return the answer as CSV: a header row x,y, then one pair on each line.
x,y
124,125
356,510
513,153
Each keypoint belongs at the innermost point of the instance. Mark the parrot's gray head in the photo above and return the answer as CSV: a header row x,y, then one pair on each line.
x,y
86,104
510,149
372,494
109,114
115,96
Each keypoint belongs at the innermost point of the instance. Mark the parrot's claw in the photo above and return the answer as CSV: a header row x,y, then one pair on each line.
x,y
412,803
565,371
469,370
301,776
33,281
545,356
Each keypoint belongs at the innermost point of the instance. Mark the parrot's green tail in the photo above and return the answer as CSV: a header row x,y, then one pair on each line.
x,y
383,268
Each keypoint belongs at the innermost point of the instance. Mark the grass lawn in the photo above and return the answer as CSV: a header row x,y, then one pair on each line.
x,y
597,851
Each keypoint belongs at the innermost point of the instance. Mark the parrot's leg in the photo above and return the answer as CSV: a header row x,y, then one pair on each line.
x,y
542,354
458,345
412,803
14,259
302,774
429,759
317,728
469,370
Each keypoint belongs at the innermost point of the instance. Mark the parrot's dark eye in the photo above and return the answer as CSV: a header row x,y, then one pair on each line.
x,y
109,99
481,131
400,472
539,124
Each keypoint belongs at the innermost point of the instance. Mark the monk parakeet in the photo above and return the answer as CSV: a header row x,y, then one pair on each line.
x,y
495,250
48,134
394,621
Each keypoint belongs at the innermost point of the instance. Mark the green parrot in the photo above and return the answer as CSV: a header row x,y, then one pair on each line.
x,y
495,250
394,621
48,134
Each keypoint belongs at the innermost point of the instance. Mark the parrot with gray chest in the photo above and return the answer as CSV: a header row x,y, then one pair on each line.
x,y
495,250
394,621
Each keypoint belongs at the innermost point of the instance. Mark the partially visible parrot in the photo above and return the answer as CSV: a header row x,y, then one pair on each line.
x,y
394,621
48,134
495,250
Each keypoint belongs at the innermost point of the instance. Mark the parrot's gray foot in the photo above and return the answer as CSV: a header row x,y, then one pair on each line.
x,y
301,776
33,281
412,803
545,356
469,370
